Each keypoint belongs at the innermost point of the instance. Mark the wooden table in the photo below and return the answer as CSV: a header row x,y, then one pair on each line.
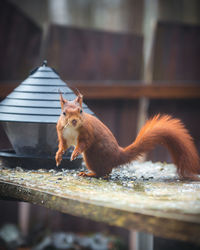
x,y
169,209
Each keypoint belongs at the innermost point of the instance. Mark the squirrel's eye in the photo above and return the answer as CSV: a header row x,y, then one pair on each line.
x,y
64,113
81,111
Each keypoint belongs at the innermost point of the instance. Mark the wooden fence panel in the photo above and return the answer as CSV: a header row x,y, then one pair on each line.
x,y
177,52
81,54
19,44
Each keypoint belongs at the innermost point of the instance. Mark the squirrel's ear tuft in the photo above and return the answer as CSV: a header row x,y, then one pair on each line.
x,y
62,100
79,98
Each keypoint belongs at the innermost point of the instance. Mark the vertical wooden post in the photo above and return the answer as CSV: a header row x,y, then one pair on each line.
x,y
139,240
23,217
149,27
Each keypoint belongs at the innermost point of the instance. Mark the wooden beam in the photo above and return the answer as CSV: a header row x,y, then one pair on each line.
x,y
124,90
131,208
134,90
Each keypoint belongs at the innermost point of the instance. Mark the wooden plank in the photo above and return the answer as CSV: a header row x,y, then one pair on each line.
x,y
138,91
125,90
147,206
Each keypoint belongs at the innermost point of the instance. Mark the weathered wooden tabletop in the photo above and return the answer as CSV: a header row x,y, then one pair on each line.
x,y
134,197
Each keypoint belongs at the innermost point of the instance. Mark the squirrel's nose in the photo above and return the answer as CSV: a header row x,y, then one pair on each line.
x,y
74,122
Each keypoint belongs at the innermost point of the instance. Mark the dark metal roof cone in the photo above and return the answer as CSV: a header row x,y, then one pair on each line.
x,y
36,99
30,113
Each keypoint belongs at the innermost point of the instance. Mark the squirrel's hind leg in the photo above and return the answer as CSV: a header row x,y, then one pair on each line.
x,y
91,174
84,174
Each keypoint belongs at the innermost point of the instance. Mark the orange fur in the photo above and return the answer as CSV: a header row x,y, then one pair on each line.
x,y
172,134
102,153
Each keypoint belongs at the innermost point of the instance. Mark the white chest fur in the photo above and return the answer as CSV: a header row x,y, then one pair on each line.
x,y
71,136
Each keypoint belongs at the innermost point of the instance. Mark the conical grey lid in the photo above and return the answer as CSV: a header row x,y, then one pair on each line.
x,y
36,99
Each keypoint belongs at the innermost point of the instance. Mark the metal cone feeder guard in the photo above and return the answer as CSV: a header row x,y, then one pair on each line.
x,y
29,115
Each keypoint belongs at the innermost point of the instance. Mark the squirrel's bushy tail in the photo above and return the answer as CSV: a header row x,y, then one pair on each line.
x,y
171,133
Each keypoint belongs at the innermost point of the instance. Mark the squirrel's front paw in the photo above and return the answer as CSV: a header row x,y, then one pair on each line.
x,y
58,158
74,155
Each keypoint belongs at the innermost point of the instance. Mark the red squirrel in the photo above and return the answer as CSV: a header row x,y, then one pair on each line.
x,y
101,151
